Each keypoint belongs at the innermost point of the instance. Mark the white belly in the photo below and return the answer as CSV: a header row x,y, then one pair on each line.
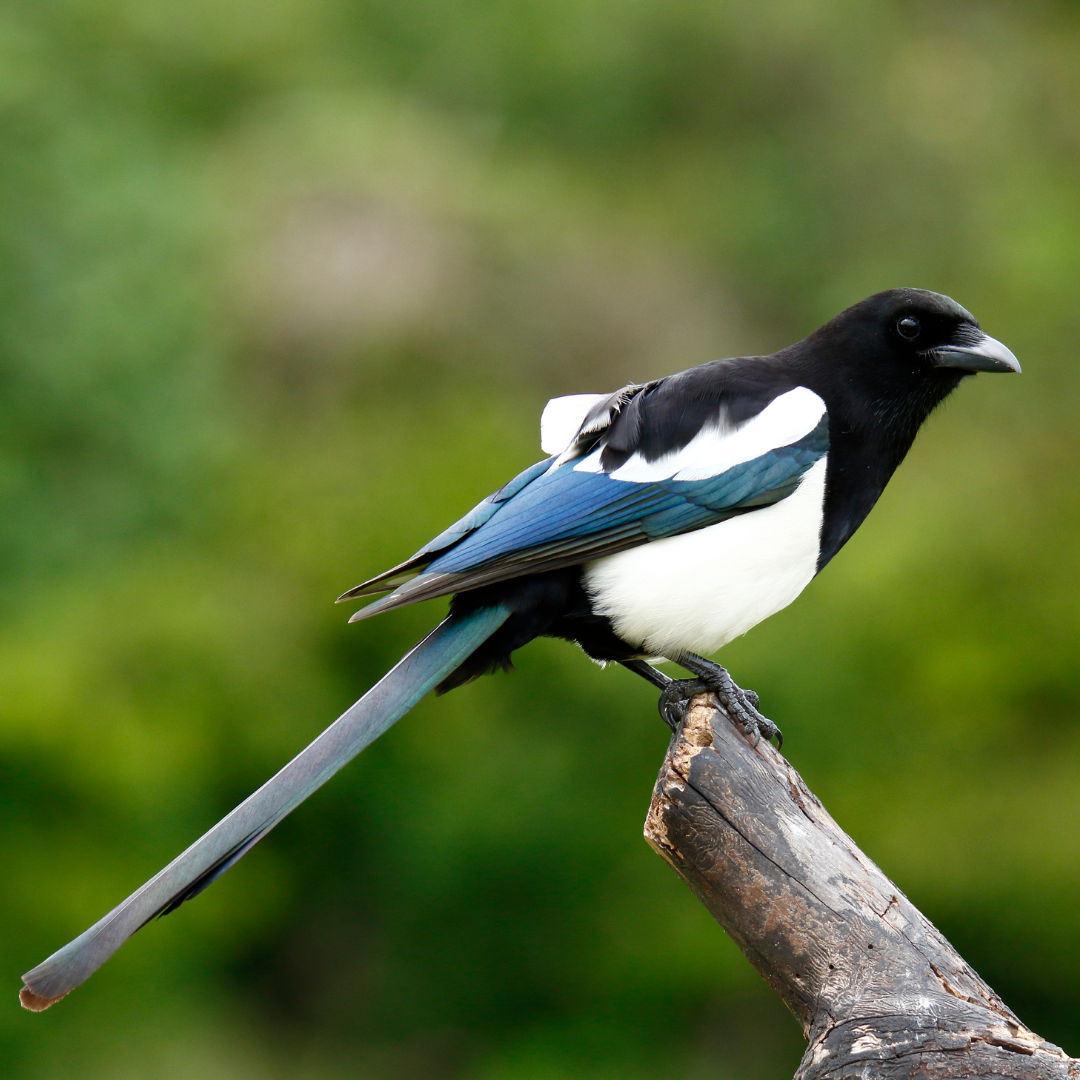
x,y
698,591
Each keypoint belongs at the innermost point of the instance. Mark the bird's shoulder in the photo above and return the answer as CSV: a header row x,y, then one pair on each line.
x,y
657,419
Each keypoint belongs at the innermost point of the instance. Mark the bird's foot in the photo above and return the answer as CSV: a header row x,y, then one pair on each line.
x,y
741,705
675,700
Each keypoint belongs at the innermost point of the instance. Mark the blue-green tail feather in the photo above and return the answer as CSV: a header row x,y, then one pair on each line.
x,y
211,855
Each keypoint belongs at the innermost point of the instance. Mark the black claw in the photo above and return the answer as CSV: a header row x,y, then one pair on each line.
x,y
675,699
741,705
668,711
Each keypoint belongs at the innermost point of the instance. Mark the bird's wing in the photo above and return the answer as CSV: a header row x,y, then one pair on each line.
x,y
608,492
448,538
567,425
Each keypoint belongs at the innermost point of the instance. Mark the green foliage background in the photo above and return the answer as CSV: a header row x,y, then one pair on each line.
x,y
284,285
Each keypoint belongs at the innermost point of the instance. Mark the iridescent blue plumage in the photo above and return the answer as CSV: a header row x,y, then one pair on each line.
x,y
565,504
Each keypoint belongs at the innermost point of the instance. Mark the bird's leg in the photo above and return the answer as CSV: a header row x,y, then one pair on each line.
x,y
741,705
648,672
674,691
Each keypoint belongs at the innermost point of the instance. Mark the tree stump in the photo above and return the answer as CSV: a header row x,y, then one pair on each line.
x,y
880,993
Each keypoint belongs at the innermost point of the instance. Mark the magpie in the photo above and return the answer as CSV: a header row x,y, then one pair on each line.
x,y
667,519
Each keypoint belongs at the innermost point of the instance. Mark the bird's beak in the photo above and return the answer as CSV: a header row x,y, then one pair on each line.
x,y
981,353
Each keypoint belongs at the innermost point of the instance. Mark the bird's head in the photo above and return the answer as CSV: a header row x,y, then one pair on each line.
x,y
902,352
921,332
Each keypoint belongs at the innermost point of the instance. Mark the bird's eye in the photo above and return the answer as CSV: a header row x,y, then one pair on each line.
x,y
908,327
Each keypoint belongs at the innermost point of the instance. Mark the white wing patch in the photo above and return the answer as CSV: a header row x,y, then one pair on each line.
x,y
720,446
562,418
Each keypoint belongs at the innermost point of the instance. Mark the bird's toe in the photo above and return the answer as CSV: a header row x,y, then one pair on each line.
x,y
676,698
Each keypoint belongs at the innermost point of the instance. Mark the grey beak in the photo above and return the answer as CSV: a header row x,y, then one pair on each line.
x,y
982,353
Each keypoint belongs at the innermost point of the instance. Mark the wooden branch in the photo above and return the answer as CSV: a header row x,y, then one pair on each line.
x,y
881,995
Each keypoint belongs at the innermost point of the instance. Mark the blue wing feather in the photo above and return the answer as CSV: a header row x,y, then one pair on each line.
x,y
463,527
554,515
565,504
482,512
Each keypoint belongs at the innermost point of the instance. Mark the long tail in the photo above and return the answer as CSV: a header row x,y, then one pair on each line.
x,y
214,852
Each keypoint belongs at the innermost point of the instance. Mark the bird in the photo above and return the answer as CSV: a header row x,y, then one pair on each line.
x,y
667,519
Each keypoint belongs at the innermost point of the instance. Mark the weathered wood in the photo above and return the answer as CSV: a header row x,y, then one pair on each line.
x,y
880,993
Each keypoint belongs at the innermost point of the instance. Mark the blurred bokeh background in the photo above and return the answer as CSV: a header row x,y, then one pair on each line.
x,y
284,285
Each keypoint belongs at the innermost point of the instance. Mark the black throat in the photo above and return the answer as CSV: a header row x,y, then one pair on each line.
x,y
874,416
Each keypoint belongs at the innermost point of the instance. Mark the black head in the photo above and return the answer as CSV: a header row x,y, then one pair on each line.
x,y
881,367
895,355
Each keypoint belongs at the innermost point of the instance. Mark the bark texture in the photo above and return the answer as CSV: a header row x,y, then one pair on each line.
x,y
880,993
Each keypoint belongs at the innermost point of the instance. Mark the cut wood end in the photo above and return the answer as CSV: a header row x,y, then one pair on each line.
x,y
35,1002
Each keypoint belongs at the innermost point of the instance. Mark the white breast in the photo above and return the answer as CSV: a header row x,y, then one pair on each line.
x,y
697,591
